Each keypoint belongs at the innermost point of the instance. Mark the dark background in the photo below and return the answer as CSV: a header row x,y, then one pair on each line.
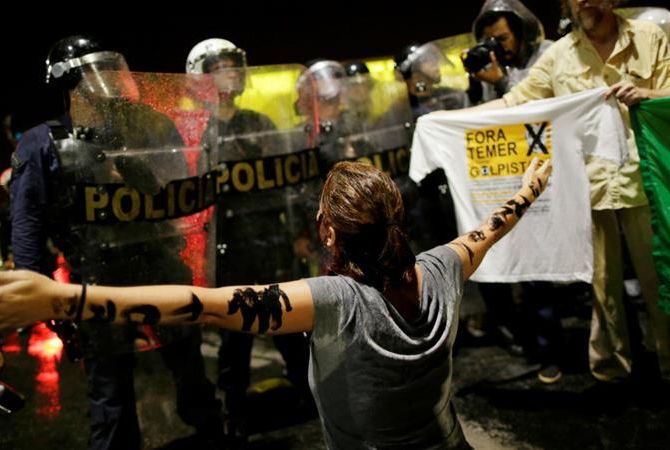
x,y
161,44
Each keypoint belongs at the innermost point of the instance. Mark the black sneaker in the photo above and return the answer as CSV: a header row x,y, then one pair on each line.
x,y
549,374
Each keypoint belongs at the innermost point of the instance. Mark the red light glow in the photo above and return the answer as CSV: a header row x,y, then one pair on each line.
x,y
48,349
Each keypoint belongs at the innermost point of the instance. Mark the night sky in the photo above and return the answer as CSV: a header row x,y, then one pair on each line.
x,y
161,45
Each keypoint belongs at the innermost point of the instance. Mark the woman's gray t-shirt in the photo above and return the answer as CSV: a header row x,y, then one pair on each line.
x,y
380,381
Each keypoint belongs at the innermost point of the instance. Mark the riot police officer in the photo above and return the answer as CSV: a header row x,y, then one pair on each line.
x,y
325,96
253,232
430,211
51,165
421,67
359,88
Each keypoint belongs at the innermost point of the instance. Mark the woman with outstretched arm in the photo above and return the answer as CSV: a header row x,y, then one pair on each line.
x,y
383,326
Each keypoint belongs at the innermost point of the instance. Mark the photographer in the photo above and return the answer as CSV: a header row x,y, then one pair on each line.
x,y
510,39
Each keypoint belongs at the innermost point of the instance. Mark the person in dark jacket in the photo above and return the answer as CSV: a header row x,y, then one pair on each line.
x,y
52,163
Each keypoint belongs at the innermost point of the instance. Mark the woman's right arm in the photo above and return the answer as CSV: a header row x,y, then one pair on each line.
x,y
27,297
472,246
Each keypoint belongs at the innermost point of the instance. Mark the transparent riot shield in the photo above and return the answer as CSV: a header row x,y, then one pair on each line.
x,y
355,116
135,190
269,163
380,134
454,76
438,80
374,124
369,121
431,215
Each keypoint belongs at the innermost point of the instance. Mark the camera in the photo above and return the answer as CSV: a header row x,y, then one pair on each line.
x,y
476,58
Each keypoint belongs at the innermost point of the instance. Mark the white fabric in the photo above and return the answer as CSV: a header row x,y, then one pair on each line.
x,y
553,240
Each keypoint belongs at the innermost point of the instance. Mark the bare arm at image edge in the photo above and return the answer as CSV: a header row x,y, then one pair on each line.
x,y
27,297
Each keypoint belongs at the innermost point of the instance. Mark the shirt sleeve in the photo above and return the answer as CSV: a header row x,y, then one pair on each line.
x,y
538,84
333,306
446,268
33,164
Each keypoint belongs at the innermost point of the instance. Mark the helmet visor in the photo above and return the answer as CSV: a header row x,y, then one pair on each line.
x,y
107,75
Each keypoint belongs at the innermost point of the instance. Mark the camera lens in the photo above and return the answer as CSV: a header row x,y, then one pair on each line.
x,y
479,56
476,58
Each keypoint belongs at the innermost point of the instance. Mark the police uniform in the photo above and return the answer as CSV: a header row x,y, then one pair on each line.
x,y
43,207
254,247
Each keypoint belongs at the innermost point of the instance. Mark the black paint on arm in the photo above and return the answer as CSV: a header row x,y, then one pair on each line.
x,y
263,305
142,314
519,208
499,217
534,189
476,236
67,307
103,313
194,309
72,308
496,221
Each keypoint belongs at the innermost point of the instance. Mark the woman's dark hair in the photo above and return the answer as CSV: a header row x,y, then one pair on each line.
x,y
365,208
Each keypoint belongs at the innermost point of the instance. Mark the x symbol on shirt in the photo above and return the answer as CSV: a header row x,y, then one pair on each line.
x,y
537,138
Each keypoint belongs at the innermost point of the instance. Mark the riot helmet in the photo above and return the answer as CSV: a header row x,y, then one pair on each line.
x,y
324,78
402,62
421,66
224,60
357,73
358,89
205,53
328,75
356,68
82,61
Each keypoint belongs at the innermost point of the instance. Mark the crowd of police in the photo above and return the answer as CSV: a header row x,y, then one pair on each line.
x,y
166,178
212,177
